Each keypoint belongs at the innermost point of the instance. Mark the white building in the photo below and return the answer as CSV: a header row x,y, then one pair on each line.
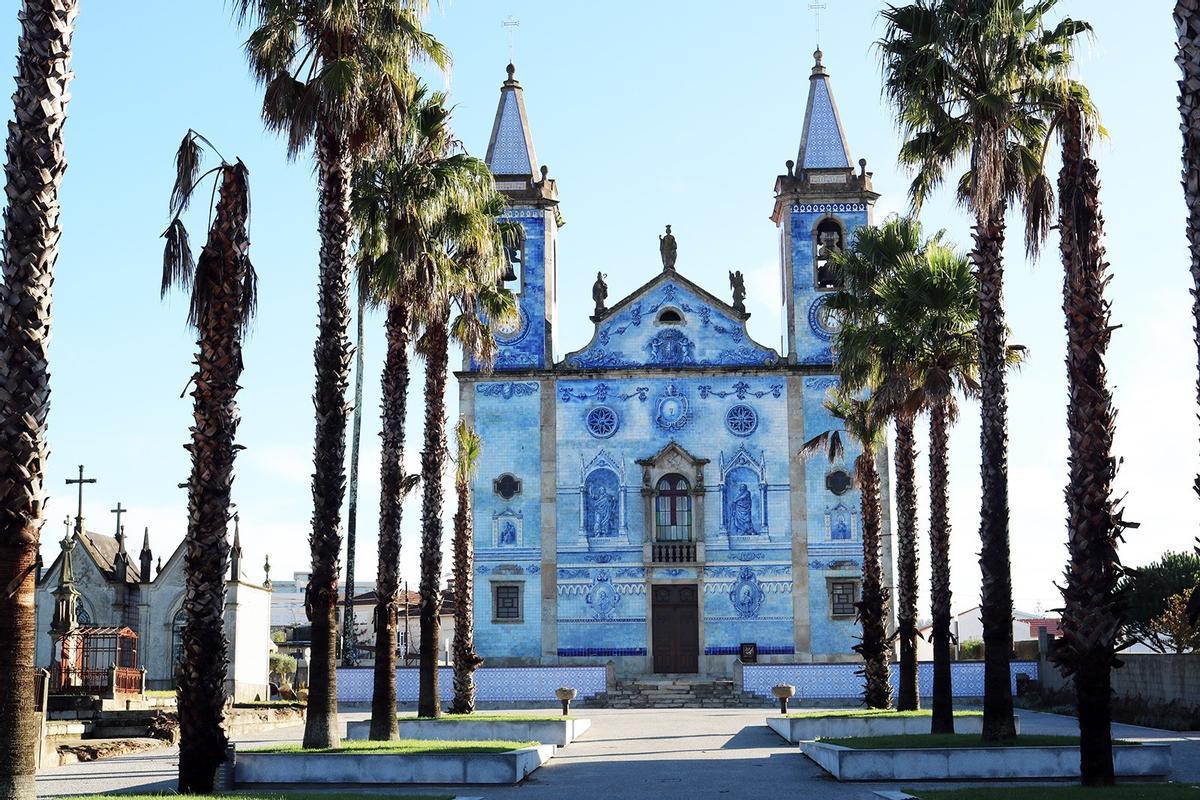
x,y
968,625
116,591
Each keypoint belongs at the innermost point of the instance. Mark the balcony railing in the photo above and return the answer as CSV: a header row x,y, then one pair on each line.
x,y
673,552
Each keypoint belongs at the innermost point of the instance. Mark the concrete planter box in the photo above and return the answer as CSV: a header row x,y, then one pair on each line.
x,y
559,732
975,763
251,769
799,729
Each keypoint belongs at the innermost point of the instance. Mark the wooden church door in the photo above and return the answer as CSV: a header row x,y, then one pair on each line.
x,y
676,628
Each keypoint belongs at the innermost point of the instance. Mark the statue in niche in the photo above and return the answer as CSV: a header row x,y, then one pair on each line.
x,y
741,512
599,295
738,284
604,511
667,249
508,533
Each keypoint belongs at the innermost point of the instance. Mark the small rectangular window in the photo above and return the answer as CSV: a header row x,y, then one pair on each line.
x,y
842,595
506,606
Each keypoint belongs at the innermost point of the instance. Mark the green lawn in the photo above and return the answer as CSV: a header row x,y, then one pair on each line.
x,y
403,747
951,740
873,712
485,718
1128,791
265,796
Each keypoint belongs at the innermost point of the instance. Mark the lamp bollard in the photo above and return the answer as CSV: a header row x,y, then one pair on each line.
x,y
783,692
565,695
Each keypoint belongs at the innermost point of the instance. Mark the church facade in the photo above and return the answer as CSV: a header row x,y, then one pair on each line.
x,y
642,499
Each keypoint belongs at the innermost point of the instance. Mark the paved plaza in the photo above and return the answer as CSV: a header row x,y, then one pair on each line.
x,y
627,755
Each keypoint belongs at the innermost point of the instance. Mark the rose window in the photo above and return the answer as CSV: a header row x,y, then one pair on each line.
x,y
602,422
741,420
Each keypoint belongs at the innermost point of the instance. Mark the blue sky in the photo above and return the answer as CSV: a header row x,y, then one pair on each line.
x,y
647,114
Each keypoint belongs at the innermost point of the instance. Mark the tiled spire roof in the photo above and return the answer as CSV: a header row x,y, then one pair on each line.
x,y
510,151
823,142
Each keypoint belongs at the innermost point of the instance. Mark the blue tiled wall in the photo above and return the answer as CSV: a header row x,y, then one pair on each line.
x,y
811,344
526,347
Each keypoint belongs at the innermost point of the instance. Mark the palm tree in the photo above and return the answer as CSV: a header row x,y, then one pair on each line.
x,y
980,79
466,273
861,422
863,354
34,168
222,287
1187,24
929,303
466,660
349,643
1092,612
336,75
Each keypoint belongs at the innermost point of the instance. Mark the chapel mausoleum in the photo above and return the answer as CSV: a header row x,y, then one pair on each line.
x,y
643,500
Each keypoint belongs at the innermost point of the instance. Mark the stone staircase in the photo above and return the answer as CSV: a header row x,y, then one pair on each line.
x,y
676,691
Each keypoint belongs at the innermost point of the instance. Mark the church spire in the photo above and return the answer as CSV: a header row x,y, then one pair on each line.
x,y
822,141
145,558
235,553
66,596
510,151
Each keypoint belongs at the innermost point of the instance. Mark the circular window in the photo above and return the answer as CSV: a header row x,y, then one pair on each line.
x,y
506,486
602,422
741,420
839,482
824,321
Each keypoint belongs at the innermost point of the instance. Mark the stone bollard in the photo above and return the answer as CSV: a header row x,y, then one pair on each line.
x,y
783,692
565,695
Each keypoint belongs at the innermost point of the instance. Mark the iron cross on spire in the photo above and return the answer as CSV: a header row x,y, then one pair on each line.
x,y
817,8
118,511
510,25
79,512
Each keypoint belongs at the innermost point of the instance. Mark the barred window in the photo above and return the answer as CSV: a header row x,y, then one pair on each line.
x,y
507,602
842,596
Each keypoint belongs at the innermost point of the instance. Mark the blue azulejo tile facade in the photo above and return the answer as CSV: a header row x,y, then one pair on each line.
x,y
641,499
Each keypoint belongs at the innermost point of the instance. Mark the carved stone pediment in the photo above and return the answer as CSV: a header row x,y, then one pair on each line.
x,y
672,458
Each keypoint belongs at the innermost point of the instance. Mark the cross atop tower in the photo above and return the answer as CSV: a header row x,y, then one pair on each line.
x,y
817,8
510,25
79,513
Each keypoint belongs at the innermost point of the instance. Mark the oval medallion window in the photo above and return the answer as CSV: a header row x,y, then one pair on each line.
x,y
741,420
602,422
839,482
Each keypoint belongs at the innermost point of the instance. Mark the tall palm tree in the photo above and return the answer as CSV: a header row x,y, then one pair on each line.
x,y
1092,612
1187,25
465,270
861,422
866,351
929,303
349,643
979,80
466,660
336,74
34,167
222,288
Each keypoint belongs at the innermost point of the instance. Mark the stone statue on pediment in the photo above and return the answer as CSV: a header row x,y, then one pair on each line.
x,y
667,249
599,295
738,284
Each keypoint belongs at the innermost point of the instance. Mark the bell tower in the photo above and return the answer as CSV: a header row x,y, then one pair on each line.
x,y
818,204
533,265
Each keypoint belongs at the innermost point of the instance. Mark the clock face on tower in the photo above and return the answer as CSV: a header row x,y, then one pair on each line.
x,y
824,321
510,330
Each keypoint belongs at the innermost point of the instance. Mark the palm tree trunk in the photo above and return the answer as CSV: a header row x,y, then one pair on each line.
x,y
1187,24
433,466
466,660
1091,618
942,717
391,504
906,562
34,168
872,607
996,596
332,357
349,644
202,670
